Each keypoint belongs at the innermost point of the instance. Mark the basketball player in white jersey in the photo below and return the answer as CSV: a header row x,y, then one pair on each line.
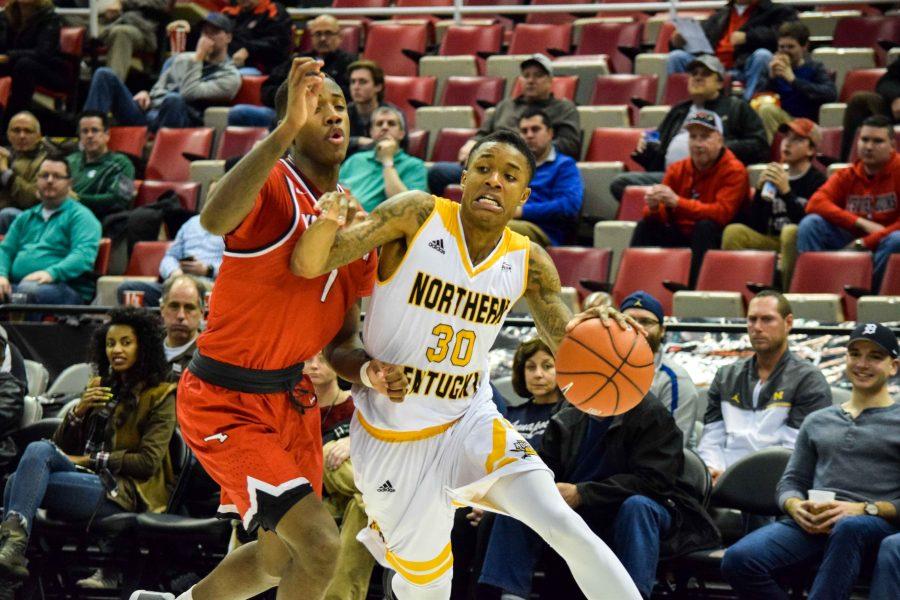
x,y
448,275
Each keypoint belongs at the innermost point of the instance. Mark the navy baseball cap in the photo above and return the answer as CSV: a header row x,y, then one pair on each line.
x,y
877,334
219,21
641,299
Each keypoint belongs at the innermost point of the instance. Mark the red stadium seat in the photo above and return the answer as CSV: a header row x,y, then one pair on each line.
x,y
385,43
890,283
574,263
101,263
417,143
610,90
614,143
546,39
664,37
145,258
408,92
453,192
829,272
359,4
237,141
631,208
831,141
167,161
552,18
606,38
448,142
149,192
129,140
464,40
5,87
731,271
563,86
647,268
467,91
866,32
860,80
250,91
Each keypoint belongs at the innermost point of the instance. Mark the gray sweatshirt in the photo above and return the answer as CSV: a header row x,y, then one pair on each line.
x,y
857,459
198,83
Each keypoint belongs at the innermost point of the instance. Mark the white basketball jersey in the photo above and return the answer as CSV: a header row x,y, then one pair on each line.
x,y
438,315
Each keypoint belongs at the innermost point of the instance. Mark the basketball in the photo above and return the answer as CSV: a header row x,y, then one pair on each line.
x,y
602,370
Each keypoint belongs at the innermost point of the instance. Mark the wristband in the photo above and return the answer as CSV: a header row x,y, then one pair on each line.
x,y
364,376
387,165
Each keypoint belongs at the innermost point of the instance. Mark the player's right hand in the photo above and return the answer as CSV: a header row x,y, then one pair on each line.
x,y
388,380
304,83
333,206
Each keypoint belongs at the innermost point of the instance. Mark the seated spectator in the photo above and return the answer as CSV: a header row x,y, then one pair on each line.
x,y
772,221
103,180
128,29
110,453
49,251
625,476
194,251
534,378
699,195
671,383
261,36
181,307
858,206
760,401
850,450
29,51
886,579
11,360
12,404
19,167
193,81
343,500
537,86
885,100
743,35
375,175
366,95
550,215
802,84
743,129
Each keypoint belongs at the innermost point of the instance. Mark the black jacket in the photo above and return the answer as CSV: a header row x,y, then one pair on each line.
x,y
889,84
744,132
761,28
12,404
37,38
644,446
267,37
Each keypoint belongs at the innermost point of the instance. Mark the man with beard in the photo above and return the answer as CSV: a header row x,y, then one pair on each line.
x,y
760,401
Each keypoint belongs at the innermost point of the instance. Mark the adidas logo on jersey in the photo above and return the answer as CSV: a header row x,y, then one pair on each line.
x,y
386,487
437,245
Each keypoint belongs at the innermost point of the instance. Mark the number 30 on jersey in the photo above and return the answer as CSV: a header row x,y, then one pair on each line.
x,y
457,344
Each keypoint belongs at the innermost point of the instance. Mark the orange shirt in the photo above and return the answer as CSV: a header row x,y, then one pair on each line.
x,y
725,49
262,316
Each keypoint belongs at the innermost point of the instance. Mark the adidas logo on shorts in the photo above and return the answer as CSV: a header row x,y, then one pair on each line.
x,y
386,487
437,245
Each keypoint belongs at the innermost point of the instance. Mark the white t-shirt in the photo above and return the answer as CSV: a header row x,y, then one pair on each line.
x,y
171,352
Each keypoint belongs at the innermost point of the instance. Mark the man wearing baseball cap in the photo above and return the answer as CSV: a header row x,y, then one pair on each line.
x,y
851,452
699,195
772,218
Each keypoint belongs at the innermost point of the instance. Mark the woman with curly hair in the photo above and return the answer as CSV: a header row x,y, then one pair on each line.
x,y
111,452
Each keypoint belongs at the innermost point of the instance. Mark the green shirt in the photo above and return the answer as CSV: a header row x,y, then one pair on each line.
x,y
106,185
362,175
65,245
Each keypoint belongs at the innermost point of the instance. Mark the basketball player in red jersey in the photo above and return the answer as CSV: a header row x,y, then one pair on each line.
x,y
243,404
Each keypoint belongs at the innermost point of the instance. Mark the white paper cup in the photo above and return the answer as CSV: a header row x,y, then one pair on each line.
x,y
820,496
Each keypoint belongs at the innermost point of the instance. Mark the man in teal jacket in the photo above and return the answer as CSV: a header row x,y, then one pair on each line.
x,y
50,249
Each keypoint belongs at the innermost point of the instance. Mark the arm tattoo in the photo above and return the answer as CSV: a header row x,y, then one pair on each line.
x,y
543,295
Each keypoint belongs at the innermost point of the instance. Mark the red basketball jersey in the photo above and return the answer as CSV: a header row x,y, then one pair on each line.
x,y
261,315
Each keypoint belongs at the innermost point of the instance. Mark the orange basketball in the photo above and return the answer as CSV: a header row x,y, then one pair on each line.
x,y
602,370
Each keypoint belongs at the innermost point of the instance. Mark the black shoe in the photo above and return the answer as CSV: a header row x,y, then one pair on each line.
x,y
13,541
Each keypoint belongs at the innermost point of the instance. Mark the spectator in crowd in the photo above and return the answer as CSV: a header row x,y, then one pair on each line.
x,y
743,35
103,180
181,307
193,81
886,579
625,476
129,29
858,206
760,401
850,450
885,100
743,129
537,84
699,195
19,167
377,174
366,95
671,383
11,360
801,83
261,36
110,453
343,500
12,404
550,215
29,51
194,251
50,248
771,222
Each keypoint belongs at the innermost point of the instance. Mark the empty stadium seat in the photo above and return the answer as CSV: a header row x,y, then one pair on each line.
x,y
546,39
150,190
448,142
614,144
101,263
606,38
238,141
860,80
866,32
129,140
631,208
721,289
574,263
408,93
829,273
166,160
469,91
890,281
385,43
563,86
620,89
145,258
250,91
472,40
647,268
417,143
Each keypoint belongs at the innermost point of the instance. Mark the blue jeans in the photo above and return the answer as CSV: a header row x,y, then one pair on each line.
x,y
47,478
750,565
442,174
249,115
887,570
754,67
634,535
816,234
152,291
48,293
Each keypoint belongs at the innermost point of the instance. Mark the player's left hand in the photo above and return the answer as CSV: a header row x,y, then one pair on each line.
x,y
606,314
569,492
388,380
337,453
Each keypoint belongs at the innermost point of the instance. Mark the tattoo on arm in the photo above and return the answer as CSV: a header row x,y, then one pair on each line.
x,y
543,295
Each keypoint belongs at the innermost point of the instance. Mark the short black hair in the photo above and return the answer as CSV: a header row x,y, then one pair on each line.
x,y
783,305
281,95
57,157
510,138
795,30
90,114
881,122
534,111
